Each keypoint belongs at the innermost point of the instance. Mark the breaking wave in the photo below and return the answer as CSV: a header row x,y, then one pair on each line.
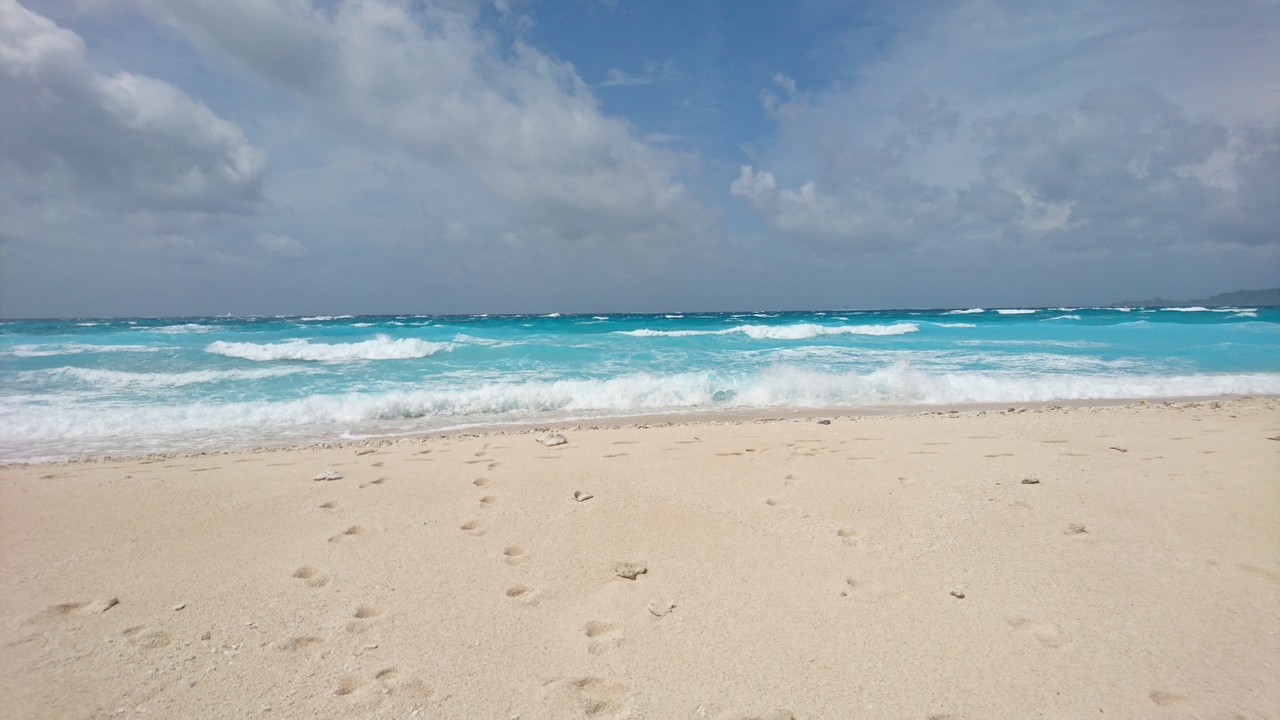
x,y
380,348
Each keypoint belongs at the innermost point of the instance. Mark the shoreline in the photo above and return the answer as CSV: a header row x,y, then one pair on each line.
x,y
709,417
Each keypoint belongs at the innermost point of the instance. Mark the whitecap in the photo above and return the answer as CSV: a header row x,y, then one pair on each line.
x,y
956,325
970,311
1015,311
179,329
798,331
380,348
1064,317
72,348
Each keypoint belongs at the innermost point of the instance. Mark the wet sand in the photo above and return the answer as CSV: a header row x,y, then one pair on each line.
x,y
1070,562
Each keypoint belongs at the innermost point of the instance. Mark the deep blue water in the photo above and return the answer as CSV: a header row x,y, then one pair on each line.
x,y
93,387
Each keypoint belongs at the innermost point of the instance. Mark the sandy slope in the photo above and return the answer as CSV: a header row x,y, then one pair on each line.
x,y
815,572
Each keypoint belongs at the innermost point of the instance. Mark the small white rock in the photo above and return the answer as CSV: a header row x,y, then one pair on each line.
x,y
554,439
329,474
581,496
179,606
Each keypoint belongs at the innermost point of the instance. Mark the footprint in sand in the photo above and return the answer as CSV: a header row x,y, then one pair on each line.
x,y
473,527
379,481
362,618
349,532
514,555
861,590
392,680
480,482
313,576
488,500
350,685
850,537
603,637
139,636
1167,699
1046,633
96,607
300,643
523,594
590,697
331,505
774,502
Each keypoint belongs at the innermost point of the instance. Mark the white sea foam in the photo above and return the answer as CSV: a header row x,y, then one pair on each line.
x,y
101,379
180,329
362,325
32,430
380,348
956,325
1246,313
1015,311
797,331
970,311
1064,317
72,348
322,318
673,317
599,317
552,315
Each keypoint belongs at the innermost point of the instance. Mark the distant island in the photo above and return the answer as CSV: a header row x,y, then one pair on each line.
x,y
1237,298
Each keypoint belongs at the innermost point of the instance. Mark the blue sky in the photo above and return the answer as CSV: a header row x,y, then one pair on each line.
x,y
177,157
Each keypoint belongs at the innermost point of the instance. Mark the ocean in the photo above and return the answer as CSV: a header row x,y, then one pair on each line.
x,y
80,388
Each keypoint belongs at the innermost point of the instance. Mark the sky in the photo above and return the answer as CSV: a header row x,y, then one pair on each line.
x,y
203,157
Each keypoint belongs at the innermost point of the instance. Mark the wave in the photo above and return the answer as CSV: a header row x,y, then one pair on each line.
x,y
970,311
322,318
1015,311
179,329
33,429
121,380
72,348
380,348
798,331
1064,317
956,325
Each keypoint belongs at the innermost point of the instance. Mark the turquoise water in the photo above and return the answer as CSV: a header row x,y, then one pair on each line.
x,y
91,387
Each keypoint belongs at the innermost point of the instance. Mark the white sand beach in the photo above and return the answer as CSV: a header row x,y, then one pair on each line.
x,y
1058,563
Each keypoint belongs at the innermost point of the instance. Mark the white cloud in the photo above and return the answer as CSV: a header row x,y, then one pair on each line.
x,y
431,81
1081,127
74,137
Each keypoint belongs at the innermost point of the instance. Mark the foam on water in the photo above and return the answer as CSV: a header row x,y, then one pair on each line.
x,y
798,331
90,387
380,348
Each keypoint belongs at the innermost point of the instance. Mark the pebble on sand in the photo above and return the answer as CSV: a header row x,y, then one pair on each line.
x,y
329,474
179,606
958,592
630,570
553,440
1031,481
581,496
